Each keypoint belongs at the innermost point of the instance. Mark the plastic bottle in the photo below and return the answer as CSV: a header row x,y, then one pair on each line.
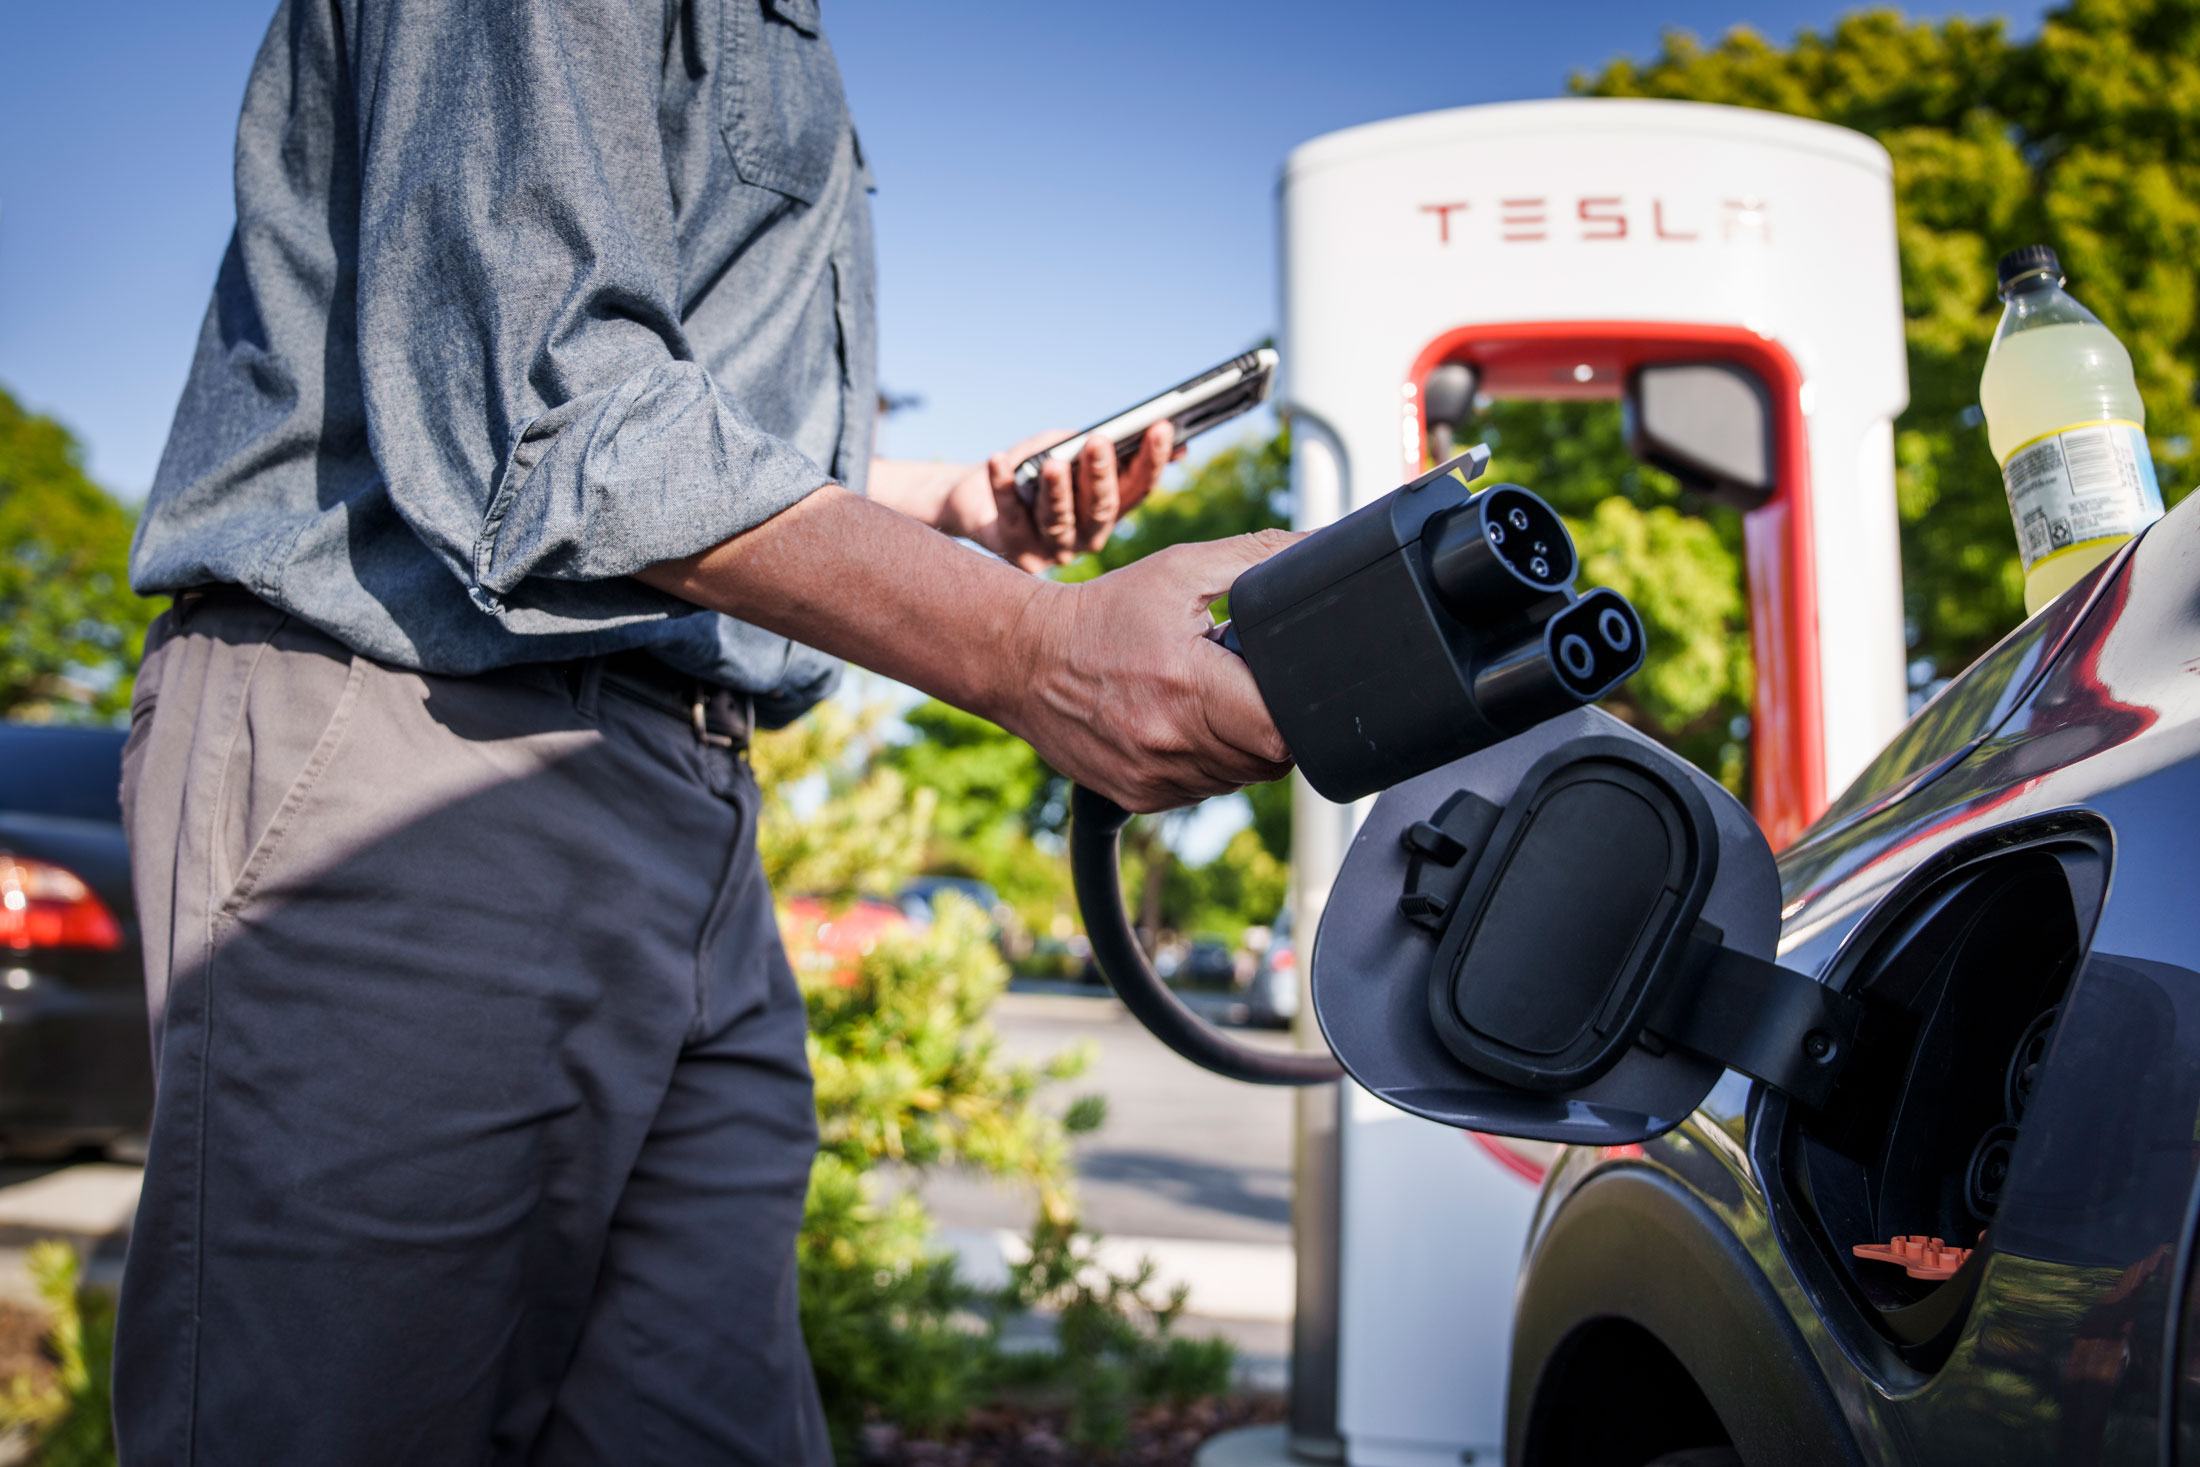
x,y
2066,425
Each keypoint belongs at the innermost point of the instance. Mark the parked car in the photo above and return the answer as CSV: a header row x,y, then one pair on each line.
x,y
75,1055
1272,997
1207,963
2009,893
822,933
916,898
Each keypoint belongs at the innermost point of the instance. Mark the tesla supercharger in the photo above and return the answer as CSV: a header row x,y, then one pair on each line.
x,y
1556,250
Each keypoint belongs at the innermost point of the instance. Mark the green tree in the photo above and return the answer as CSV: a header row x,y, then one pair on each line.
x,y
1000,809
2086,138
71,630
1675,556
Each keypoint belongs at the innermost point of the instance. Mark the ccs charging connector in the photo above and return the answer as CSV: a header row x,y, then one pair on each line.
x,y
1431,623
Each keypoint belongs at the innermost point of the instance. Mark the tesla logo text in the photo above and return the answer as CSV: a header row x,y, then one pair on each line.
x,y
1599,218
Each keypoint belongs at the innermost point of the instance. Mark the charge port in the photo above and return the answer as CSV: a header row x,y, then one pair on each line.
x,y
1960,996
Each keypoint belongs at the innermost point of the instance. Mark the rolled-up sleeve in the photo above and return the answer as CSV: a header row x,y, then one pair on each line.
x,y
531,396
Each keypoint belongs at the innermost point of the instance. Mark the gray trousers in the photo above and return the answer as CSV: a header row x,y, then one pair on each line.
x,y
483,1118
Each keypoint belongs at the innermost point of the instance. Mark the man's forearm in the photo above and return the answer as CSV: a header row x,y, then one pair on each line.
x,y
1113,681
865,582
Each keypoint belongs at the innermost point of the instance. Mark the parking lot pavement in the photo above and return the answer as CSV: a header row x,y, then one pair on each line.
x,y
89,1205
1184,1153
1191,1171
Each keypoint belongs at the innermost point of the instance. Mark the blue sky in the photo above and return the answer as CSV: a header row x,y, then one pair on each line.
x,y
1074,202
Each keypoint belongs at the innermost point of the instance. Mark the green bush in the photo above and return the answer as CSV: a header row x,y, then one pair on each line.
x,y
910,1073
1118,1345
69,1413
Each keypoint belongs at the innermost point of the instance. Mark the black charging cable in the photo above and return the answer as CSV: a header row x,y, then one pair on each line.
x,y
1095,837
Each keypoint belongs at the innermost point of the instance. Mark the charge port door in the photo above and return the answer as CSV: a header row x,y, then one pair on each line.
x,y
1566,937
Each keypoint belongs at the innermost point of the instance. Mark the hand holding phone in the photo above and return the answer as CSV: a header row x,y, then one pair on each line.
x,y
1191,407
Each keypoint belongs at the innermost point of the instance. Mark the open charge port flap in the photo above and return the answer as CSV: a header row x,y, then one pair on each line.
x,y
1510,930
1591,877
1578,936
1573,918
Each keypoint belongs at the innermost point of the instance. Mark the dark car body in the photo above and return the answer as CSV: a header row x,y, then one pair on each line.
x,y
75,1060
2012,892
917,899
1208,963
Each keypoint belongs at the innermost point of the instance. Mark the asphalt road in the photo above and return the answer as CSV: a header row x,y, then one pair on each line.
x,y
1184,1154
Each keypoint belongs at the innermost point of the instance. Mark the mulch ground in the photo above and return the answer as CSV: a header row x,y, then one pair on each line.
x,y
22,1342
1018,1436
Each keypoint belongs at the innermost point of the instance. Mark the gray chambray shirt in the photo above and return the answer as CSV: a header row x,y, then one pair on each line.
x,y
525,295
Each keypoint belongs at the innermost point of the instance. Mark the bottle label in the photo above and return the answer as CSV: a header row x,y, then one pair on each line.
x,y
2091,482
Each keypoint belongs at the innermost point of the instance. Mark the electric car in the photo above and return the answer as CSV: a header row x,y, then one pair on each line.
x,y
2009,899
75,1065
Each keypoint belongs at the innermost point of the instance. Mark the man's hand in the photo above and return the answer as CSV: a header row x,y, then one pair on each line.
x,y
1123,691
1075,509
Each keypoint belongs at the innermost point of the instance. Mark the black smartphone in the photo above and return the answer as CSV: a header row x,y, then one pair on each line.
x,y
1191,408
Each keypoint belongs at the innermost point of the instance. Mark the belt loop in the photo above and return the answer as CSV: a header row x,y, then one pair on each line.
x,y
588,687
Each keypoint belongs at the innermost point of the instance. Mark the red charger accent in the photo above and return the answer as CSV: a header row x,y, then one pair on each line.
x,y
1541,359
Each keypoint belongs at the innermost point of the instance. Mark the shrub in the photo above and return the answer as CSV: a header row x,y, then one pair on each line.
x,y
910,1072
68,1412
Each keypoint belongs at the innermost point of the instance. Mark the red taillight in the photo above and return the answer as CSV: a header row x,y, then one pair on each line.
x,y
44,905
1283,960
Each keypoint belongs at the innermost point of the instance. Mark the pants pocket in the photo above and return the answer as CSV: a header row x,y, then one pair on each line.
x,y
296,709
144,698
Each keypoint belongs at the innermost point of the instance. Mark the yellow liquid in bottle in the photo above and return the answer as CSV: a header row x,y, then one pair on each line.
x,y
2042,381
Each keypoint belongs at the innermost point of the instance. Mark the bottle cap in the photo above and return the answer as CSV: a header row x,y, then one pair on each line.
x,y
2028,261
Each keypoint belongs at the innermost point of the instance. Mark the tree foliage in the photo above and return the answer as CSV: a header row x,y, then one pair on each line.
x,y
2086,138
71,630
1677,558
834,821
1000,809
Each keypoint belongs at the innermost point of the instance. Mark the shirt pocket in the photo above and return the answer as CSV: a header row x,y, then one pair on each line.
x,y
784,107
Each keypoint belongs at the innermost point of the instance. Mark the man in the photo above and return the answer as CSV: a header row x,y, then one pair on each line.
x,y
483,1118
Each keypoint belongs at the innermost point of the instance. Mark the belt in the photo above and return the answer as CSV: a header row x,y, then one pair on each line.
x,y
213,593
718,715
